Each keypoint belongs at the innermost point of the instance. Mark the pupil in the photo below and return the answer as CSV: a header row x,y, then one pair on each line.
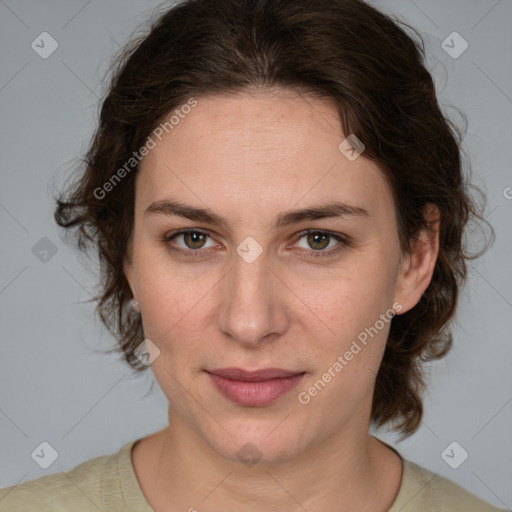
x,y
316,236
195,237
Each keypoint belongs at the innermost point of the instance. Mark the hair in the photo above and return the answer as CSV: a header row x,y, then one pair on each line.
x,y
346,51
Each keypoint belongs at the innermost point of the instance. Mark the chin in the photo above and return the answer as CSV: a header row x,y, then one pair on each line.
x,y
252,444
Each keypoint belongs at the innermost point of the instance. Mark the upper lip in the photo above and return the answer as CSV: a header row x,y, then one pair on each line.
x,y
253,376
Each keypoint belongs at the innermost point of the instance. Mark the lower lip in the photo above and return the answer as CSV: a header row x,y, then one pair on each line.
x,y
255,394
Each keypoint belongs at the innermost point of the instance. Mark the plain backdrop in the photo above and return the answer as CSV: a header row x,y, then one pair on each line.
x,y
56,385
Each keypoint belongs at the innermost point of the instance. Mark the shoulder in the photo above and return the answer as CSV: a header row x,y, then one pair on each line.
x,y
422,489
82,488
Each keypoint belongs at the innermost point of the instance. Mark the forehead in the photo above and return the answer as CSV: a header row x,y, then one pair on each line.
x,y
259,153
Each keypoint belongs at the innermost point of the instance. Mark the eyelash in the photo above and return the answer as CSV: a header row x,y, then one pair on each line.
x,y
343,242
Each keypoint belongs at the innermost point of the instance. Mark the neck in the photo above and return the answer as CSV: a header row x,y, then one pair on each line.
x,y
350,470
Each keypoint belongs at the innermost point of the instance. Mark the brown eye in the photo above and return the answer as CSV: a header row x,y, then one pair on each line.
x,y
193,242
194,239
318,241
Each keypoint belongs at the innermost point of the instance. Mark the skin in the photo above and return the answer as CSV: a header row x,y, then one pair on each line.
x,y
248,157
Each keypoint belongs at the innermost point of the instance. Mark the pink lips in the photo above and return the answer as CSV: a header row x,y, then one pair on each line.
x,y
253,389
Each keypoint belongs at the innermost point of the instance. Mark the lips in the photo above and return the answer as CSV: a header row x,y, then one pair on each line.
x,y
254,376
256,388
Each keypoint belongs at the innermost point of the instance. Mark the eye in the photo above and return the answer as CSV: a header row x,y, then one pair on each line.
x,y
195,239
320,241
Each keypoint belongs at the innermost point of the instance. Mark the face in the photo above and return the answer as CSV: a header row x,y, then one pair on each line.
x,y
242,290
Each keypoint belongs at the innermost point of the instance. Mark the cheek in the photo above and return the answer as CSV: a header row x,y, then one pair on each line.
x,y
350,328
172,296
349,304
173,318
346,362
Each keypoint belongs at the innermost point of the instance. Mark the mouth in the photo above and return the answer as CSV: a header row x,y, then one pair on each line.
x,y
254,388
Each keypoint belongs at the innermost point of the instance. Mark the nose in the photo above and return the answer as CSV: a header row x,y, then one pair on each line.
x,y
252,308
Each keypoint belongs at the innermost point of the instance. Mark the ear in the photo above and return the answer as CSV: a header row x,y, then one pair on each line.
x,y
417,268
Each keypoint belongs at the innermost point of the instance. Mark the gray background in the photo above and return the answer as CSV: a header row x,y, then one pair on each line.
x,y
55,384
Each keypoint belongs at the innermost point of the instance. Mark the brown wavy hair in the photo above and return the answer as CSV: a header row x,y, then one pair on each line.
x,y
370,65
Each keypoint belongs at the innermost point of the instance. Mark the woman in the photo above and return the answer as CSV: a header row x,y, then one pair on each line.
x,y
278,205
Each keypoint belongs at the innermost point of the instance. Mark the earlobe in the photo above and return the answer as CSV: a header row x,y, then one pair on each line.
x,y
128,272
418,267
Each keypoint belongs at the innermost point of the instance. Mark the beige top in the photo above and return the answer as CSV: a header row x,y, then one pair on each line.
x,y
108,483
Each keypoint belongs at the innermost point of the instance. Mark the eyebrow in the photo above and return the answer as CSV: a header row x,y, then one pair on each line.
x,y
334,209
